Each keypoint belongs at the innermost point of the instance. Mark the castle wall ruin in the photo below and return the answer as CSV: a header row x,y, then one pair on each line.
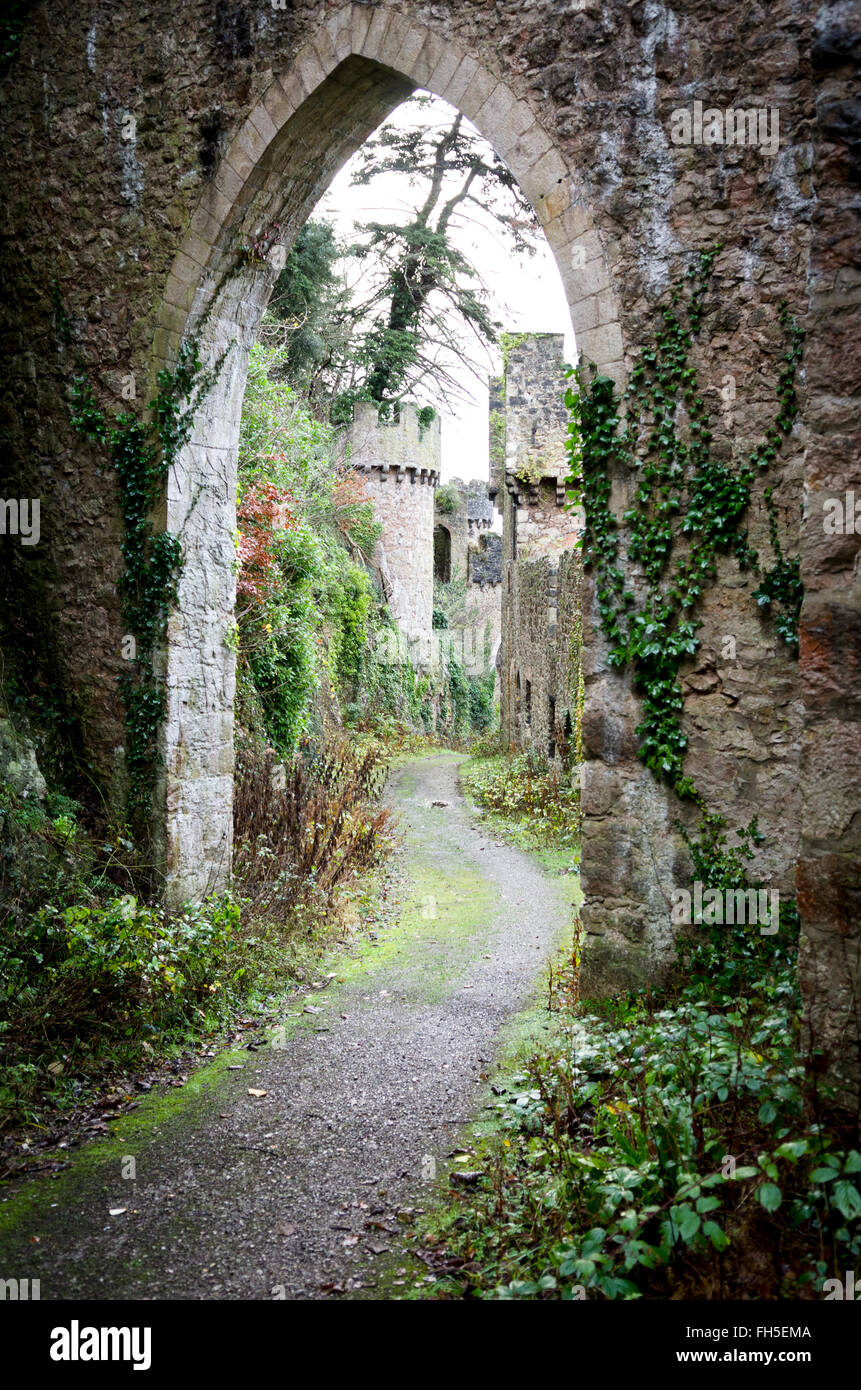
x,y
153,164
474,552
539,657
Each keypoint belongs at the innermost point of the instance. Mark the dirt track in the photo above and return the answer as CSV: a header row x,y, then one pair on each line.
x,y
237,1196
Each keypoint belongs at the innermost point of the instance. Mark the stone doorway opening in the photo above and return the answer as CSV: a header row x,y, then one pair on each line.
x,y
308,122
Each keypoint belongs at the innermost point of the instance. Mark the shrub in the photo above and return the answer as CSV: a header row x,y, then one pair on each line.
x,y
301,829
524,788
446,499
649,1151
85,986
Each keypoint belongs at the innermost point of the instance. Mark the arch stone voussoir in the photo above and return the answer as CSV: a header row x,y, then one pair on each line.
x,y
372,42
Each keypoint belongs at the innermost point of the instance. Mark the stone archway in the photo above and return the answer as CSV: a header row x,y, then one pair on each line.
x,y
358,66
442,553
114,156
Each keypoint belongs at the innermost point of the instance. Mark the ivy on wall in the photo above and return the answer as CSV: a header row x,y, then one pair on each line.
x,y
142,452
689,506
13,20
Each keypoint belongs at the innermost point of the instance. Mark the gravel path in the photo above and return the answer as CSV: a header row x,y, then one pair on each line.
x,y
312,1184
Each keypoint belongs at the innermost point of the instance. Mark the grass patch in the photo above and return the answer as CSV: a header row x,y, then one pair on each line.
x,y
523,800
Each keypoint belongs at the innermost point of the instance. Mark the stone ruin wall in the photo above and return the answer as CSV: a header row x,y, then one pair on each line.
x,y
742,709
455,524
538,653
119,236
475,555
484,574
536,420
539,657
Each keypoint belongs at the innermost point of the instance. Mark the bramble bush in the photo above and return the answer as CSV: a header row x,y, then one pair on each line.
x,y
301,829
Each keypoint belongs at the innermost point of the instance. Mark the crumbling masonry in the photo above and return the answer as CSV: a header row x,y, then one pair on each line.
x,y
467,550
539,664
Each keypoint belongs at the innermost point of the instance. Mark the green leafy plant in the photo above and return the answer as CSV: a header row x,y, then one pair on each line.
x,y
689,506
642,1151
142,452
446,499
524,788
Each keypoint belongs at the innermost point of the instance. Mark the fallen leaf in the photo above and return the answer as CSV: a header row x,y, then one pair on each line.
x,y
252,1091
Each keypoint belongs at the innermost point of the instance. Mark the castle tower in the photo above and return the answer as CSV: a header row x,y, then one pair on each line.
x,y
540,568
536,466
399,461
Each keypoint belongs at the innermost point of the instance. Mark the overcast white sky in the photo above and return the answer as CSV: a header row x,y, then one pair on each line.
x,y
526,291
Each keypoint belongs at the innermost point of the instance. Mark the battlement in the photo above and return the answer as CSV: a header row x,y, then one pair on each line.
x,y
404,449
479,507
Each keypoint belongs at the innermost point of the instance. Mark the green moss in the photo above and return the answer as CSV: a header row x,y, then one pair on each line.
x,y
455,910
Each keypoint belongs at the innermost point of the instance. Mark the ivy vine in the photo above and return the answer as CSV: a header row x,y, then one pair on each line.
x,y
688,508
142,452
781,585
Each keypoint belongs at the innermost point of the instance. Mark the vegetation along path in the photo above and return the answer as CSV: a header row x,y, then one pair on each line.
x,y
309,1183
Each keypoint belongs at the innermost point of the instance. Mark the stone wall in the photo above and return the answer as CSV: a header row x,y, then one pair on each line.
x,y
536,520
536,421
484,599
475,556
399,464
496,436
485,560
451,516
152,163
540,656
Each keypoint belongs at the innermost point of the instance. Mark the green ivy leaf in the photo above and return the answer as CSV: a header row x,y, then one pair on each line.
x,y
770,1196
